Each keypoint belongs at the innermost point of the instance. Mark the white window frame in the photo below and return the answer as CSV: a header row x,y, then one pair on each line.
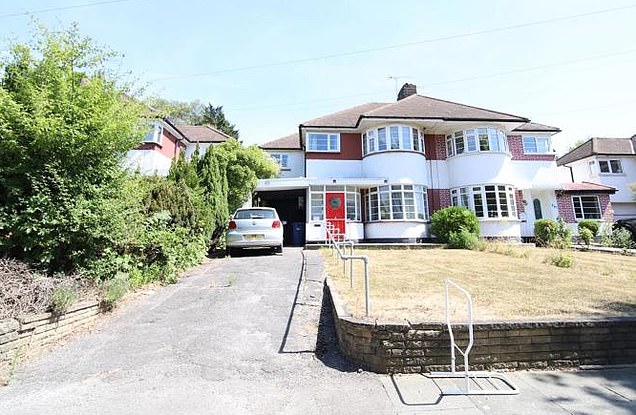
x,y
610,168
471,142
411,199
531,144
155,134
282,159
330,136
317,197
411,143
466,196
580,213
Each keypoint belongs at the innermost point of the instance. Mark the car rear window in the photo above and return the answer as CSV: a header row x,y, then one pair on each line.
x,y
254,214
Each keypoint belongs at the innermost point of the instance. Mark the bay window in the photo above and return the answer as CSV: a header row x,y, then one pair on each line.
x,y
476,140
396,203
392,137
489,201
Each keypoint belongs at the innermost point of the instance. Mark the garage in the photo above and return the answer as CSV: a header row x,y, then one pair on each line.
x,y
291,208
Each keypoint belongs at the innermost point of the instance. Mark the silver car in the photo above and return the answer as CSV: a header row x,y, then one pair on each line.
x,y
256,227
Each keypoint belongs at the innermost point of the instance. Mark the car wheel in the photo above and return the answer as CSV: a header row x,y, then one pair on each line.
x,y
278,249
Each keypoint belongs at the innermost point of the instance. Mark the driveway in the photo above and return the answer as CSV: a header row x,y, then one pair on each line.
x,y
242,336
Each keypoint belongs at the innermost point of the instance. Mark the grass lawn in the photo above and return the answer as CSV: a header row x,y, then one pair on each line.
x,y
506,282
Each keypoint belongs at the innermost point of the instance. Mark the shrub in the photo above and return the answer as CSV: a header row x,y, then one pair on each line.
x,y
554,234
562,260
114,290
592,225
617,238
586,235
462,240
62,298
454,219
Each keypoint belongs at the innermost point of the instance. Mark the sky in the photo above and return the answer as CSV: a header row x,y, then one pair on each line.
x,y
274,64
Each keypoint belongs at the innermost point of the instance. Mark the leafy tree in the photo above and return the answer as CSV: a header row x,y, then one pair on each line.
x,y
215,117
65,124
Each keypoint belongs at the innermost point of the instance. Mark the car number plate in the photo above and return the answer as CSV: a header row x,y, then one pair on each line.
x,y
254,237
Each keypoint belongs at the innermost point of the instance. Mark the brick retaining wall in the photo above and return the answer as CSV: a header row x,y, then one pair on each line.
x,y
28,333
394,347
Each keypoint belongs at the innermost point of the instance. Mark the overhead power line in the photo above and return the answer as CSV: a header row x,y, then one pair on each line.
x,y
60,8
397,45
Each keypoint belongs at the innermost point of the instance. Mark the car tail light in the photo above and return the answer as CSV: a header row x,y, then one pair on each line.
x,y
276,224
231,225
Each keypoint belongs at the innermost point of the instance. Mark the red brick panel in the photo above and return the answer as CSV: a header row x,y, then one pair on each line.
x,y
519,199
515,144
170,146
566,208
607,213
435,146
438,199
350,149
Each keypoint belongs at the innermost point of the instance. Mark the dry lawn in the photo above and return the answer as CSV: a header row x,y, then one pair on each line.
x,y
506,282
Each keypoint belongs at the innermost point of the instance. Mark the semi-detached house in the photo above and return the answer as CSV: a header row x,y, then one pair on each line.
x,y
378,171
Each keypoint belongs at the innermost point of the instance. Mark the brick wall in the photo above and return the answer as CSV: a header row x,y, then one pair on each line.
x,y
25,334
438,199
607,213
435,146
519,199
406,347
515,144
566,207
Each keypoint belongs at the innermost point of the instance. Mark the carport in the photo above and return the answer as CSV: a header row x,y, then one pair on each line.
x,y
291,207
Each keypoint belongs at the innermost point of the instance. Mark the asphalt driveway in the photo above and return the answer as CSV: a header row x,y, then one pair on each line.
x,y
248,335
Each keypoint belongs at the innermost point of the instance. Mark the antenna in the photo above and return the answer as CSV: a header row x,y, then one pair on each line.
x,y
395,80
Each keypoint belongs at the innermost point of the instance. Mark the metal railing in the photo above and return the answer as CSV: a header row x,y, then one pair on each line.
x,y
338,243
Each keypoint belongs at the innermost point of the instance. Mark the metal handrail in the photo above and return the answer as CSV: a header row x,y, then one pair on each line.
x,y
335,247
469,346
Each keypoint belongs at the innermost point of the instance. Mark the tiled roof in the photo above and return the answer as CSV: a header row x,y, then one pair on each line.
x,y
599,145
415,107
289,142
588,187
536,127
202,133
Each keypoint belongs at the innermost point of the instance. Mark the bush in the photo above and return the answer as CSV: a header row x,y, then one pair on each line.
x,y
463,240
114,290
586,235
454,219
554,234
562,260
62,298
592,225
617,238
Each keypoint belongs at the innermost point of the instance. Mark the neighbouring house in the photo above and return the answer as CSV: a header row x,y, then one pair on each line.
x,y
609,162
378,171
166,140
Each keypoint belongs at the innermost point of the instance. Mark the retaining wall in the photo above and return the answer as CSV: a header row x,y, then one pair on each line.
x,y
28,333
407,347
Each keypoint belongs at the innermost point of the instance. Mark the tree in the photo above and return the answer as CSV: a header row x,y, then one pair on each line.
x,y
65,125
215,117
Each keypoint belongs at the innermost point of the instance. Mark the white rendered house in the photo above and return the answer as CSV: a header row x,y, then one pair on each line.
x,y
377,171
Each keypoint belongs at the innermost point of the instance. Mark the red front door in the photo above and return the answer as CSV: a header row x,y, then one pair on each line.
x,y
335,211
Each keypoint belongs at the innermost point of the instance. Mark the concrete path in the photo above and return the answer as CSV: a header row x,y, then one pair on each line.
x,y
247,336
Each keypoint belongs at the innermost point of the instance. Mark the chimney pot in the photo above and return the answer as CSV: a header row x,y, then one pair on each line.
x,y
407,90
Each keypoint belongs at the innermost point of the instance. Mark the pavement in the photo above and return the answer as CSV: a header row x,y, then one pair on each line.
x,y
252,335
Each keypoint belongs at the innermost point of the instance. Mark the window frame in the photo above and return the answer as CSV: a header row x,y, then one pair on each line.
x,y
535,139
282,159
581,214
610,168
329,137
318,193
396,203
475,140
372,138
155,134
496,201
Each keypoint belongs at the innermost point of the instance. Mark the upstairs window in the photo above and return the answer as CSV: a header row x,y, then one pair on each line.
x,y
476,140
392,138
155,133
610,166
536,144
323,142
281,159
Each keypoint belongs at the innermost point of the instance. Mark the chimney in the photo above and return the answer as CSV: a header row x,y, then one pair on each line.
x,y
406,91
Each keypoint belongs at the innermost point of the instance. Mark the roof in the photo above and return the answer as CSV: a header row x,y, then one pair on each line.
x,y
537,128
202,133
289,142
599,146
412,107
588,187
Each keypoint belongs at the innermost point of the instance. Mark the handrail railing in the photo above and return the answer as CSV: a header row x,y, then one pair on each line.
x,y
335,240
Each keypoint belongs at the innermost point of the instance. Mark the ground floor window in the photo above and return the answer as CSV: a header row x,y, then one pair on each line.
x,y
317,195
490,201
396,202
586,207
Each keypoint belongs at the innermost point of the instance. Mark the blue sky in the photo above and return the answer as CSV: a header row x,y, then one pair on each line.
x,y
578,73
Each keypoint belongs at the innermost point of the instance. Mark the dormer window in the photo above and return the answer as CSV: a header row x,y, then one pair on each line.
x,y
536,144
476,140
155,133
610,166
323,142
392,138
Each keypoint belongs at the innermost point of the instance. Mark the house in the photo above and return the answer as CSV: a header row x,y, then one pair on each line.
x,y
606,162
166,140
377,171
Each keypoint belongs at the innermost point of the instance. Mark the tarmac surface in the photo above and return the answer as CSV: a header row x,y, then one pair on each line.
x,y
251,335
